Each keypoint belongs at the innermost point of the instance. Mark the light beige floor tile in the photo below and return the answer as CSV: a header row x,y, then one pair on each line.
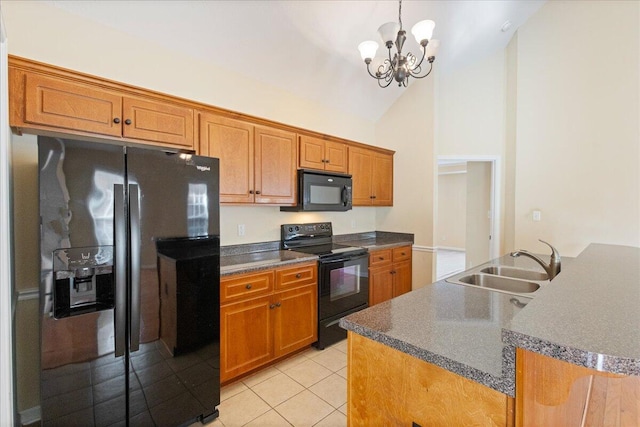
x,y
260,376
340,346
331,359
342,372
269,419
291,362
308,373
277,389
231,390
332,390
242,408
334,419
304,409
343,409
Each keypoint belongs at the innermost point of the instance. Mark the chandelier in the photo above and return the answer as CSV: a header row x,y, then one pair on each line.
x,y
401,67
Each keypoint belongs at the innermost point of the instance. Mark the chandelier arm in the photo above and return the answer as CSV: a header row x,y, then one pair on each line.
x,y
422,77
372,75
388,80
418,67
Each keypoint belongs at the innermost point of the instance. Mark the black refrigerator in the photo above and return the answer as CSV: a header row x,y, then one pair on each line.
x,y
130,276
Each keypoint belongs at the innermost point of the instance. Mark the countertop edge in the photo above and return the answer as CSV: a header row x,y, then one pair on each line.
x,y
504,384
597,361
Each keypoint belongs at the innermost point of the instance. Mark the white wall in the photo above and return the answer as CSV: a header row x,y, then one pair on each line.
x,y
408,128
578,145
452,207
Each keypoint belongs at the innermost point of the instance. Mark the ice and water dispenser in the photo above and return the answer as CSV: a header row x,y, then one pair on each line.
x,y
84,280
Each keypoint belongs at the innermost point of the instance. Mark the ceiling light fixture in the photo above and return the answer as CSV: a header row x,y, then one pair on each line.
x,y
400,68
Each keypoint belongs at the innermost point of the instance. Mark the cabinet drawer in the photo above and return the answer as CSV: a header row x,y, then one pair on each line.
x,y
296,276
402,253
380,257
233,288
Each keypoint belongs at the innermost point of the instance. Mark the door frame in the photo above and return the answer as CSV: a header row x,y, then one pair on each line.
x,y
495,202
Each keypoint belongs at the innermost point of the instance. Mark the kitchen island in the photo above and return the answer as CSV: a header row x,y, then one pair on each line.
x,y
586,316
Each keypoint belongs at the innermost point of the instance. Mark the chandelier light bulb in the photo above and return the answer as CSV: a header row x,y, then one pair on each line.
x,y
423,31
432,48
368,50
388,32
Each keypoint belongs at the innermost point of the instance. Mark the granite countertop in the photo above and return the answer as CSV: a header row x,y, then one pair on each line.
x,y
588,315
236,259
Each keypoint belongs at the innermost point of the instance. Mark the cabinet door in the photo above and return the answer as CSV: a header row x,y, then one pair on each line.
x,y
157,121
401,278
380,285
335,156
275,166
382,180
73,106
361,170
246,336
311,153
296,319
232,142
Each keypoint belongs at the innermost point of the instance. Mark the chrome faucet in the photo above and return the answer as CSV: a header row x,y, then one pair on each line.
x,y
552,269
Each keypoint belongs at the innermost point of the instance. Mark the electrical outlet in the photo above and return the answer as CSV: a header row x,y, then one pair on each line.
x,y
353,223
537,215
240,229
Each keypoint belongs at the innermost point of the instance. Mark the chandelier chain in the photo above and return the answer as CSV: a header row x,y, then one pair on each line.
x,y
400,14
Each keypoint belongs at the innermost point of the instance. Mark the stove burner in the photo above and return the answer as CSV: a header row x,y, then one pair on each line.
x,y
315,238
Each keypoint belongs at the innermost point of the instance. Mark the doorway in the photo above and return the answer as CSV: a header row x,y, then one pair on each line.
x,y
467,227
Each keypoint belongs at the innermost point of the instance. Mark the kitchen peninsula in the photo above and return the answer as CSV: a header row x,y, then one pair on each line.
x,y
451,354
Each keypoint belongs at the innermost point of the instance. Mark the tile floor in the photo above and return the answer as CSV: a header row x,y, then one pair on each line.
x,y
449,262
308,389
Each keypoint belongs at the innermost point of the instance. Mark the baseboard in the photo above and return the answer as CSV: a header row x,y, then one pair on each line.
x,y
30,416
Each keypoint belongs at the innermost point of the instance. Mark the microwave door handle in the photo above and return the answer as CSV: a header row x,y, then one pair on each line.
x,y
344,196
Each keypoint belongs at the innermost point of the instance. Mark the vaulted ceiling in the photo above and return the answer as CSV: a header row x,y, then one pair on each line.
x,y
309,47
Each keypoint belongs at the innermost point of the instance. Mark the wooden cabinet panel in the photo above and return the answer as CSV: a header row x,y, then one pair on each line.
x,y
361,170
246,336
401,278
316,153
232,142
157,121
275,166
390,273
296,319
382,180
241,286
287,278
259,324
386,387
68,105
551,392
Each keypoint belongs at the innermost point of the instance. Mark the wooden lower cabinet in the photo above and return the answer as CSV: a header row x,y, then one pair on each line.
x,y
390,272
386,387
551,392
260,322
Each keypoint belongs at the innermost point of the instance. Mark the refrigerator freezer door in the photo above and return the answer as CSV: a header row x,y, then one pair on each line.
x,y
178,314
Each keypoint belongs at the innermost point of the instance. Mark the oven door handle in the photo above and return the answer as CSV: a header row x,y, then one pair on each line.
x,y
343,259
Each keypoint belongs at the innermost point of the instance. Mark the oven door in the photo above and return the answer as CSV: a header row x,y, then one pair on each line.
x,y
343,285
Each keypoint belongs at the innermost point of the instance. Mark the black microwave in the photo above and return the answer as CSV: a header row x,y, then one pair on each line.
x,y
322,191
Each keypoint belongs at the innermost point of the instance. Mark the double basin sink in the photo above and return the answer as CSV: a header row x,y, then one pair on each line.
x,y
502,278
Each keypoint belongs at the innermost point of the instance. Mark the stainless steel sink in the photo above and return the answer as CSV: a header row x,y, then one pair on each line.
x,y
500,283
502,278
516,273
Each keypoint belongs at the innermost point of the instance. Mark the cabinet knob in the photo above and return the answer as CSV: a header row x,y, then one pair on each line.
x,y
116,120
127,122
250,191
393,272
403,254
272,306
248,286
298,276
278,304
381,258
328,161
373,197
257,191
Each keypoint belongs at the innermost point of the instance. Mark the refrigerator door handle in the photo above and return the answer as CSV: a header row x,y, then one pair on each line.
x,y
120,263
134,233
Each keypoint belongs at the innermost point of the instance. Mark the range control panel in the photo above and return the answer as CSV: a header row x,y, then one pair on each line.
x,y
315,229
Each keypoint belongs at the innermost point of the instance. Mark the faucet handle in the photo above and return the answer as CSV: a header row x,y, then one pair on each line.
x,y
555,255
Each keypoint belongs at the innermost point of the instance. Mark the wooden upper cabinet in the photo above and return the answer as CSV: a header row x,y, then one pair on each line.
x,y
45,102
275,166
257,163
157,121
231,141
372,174
316,153
63,104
